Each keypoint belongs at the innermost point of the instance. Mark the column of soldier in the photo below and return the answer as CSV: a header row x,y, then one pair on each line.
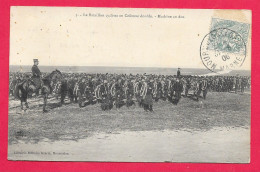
x,y
117,90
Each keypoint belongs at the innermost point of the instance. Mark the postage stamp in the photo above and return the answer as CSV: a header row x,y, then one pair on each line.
x,y
239,27
224,48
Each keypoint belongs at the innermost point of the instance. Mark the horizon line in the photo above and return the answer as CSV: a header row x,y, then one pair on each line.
x,y
122,67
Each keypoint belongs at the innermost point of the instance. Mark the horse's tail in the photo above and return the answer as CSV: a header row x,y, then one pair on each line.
x,y
17,92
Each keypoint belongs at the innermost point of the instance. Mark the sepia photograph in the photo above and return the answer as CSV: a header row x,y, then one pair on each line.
x,y
129,85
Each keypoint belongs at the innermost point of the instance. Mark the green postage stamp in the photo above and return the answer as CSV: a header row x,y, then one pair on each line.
x,y
234,30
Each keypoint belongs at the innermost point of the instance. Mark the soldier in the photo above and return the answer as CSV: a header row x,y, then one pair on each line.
x,y
129,92
158,89
36,75
177,88
137,90
178,73
243,84
187,87
81,91
204,87
234,84
71,85
147,93
236,79
239,83
63,89
119,93
106,102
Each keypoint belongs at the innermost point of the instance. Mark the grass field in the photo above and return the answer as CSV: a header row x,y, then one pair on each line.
x,y
69,122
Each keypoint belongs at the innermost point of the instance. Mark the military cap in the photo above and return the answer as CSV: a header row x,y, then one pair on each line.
x,y
35,60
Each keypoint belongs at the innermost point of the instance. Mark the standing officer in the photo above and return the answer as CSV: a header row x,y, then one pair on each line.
x,y
36,75
178,73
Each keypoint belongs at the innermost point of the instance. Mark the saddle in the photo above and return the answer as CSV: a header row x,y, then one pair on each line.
x,y
37,81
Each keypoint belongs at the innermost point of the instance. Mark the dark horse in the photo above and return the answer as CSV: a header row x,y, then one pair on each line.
x,y
28,87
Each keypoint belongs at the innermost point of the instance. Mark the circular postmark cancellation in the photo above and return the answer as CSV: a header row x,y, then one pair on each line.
x,y
222,50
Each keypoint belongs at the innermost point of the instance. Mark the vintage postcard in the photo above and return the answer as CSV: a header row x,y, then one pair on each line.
x,y
129,85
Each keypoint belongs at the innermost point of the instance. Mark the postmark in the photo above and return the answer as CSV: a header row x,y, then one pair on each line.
x,y
240,28
223,50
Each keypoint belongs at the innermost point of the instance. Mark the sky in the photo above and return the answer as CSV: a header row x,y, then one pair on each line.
x,y
59,36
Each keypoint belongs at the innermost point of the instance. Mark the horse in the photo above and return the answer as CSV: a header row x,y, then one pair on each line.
x,y
23,90
29,86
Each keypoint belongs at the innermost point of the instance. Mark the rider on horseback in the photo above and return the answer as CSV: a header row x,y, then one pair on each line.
x,y
36,75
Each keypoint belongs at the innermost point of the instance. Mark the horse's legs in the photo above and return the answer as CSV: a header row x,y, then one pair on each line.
x,y
45,102
63,95
26,104
21,104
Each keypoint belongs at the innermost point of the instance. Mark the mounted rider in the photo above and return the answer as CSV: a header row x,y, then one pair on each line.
x,y
36,75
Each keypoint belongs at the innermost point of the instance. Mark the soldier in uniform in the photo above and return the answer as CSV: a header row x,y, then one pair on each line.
x,y
187,86
147,93
236,82
178,73
204,87
243,85
106,102
129,92
177,90
36,75
119,93
138,90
